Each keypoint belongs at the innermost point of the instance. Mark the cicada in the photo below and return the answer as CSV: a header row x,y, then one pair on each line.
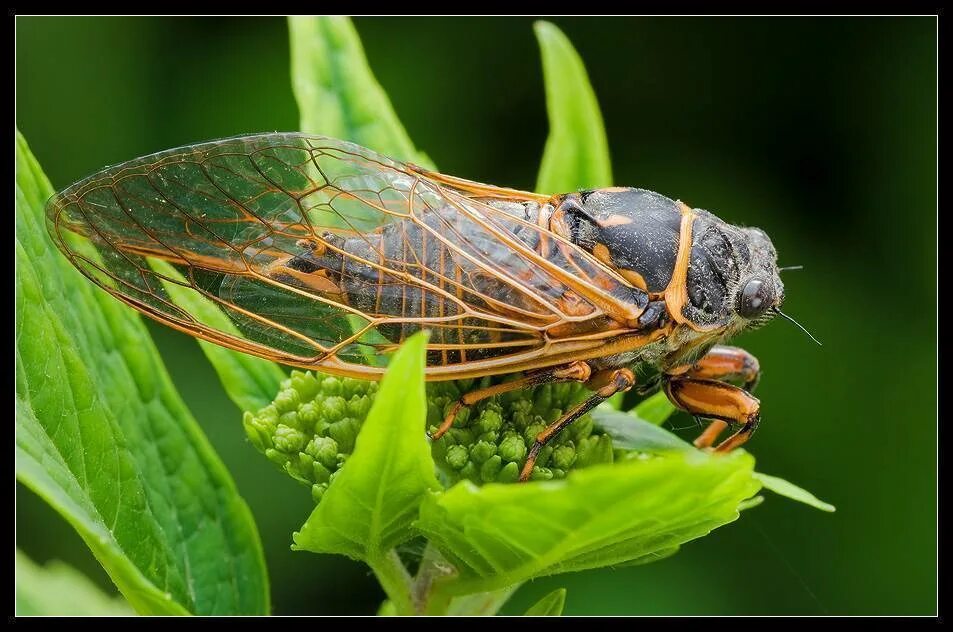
x,y
326,255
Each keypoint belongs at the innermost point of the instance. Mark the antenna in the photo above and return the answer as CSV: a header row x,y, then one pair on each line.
x,y
799,325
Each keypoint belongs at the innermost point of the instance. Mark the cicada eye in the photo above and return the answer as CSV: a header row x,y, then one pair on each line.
x,y
754,298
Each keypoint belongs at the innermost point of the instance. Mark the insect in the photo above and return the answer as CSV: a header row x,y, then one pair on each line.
x,y
326,255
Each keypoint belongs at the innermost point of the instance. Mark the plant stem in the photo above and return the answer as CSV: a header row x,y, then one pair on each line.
x,y
395,580
431,597
432,567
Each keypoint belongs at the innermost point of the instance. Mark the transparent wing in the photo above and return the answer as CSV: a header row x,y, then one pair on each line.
x,y
325,254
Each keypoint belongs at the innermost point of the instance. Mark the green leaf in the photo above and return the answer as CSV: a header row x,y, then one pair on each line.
x,y
250,382
633,433
387,609
480,604
103,437
371,503
59,589
751,503
339,97
790,490
655,409
577,152
629,512
549,606
614,402
336,91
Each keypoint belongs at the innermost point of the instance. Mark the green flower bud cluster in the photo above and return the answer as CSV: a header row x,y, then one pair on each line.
x,y
490,440
310,428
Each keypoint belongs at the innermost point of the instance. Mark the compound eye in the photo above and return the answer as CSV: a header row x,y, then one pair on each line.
x,y
754,298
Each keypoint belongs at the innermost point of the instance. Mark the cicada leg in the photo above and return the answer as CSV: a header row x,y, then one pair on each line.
x,y
719,401
725,363
720,363
606,384
572,372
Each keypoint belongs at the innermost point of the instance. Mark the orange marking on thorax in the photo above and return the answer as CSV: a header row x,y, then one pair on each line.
x,y
676,293
635,279
601,252
614,220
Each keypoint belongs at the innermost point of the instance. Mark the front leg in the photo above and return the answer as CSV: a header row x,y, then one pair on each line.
x,y
724,363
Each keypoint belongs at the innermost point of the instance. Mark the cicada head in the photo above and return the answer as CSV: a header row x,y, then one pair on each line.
x,y
732,279
759,287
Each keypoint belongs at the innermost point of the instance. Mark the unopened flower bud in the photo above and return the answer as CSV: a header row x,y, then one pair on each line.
x,y
276,457
532,431
324,450
521,413
491,469
358,406
470,472
543,397
317,492
305,383
268,414
482,451
461,436
490,420
541,474
512,448
509,474
581,428
308,414
345,433
287,400
564,456
331,386
457,456
289,440
594,450
290,419
258,430
333,409
319,473
352,388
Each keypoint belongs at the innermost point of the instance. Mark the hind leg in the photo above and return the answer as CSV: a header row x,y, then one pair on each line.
x,y
605,384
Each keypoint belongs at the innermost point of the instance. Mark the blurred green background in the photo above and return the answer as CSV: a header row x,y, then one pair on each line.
x,y
821,131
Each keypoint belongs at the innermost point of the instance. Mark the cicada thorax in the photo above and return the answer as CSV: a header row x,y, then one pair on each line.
x,y
686,260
